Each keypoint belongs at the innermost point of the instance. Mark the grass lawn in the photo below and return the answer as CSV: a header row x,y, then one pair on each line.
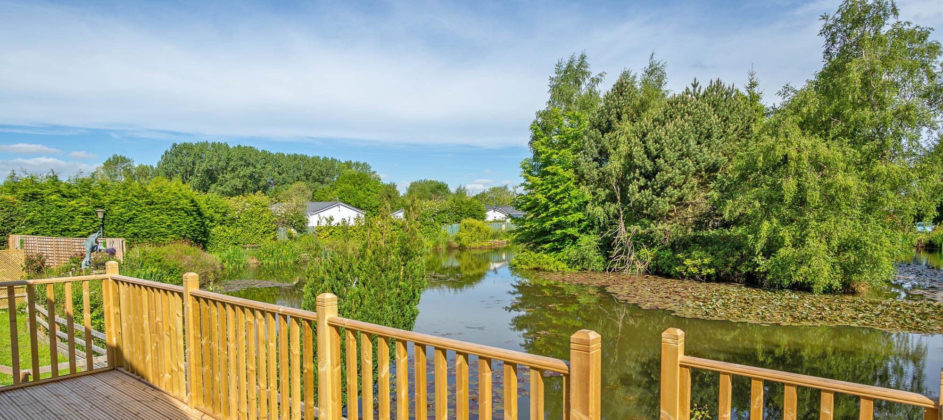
x,y
22,333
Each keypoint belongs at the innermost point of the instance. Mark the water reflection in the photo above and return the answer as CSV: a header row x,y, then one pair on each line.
x,y
474,296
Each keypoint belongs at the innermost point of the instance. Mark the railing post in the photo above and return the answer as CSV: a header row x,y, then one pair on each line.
x,y
585,375
329,366
672,350
191,281
110,307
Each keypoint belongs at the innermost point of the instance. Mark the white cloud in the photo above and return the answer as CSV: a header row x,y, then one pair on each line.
x,y
27,149
475,188
423,73
43,165
78,154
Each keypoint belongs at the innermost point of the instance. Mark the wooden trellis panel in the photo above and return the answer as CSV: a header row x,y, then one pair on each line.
x,y
58,250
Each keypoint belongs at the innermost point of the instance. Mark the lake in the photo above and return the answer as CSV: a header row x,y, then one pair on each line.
x,y
474,296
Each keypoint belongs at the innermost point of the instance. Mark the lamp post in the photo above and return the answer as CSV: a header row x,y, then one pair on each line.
x,y
100,212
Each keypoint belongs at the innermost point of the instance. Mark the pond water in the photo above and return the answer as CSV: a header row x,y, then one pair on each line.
x,y
476,297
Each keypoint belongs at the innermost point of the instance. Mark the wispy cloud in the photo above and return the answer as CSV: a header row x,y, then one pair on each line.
x,y
43,165
27,149
81,155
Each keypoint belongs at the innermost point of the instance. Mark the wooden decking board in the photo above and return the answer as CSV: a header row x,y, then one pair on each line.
x,y
105,395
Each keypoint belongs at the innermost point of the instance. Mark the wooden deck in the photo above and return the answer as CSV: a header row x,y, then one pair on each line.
x,y
112,394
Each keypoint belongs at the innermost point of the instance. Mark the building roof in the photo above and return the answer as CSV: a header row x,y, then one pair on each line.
x,y
315,207
399,211
507,210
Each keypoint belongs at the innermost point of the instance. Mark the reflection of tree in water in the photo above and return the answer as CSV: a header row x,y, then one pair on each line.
x,y
458,270
552,311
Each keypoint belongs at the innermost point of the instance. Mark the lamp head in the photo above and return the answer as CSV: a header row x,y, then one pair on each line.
x,y
100,213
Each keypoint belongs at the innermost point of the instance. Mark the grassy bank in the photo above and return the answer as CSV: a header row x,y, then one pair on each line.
x,y
733,302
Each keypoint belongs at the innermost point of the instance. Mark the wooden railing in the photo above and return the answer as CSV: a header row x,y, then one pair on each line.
x,y
676,387
232,357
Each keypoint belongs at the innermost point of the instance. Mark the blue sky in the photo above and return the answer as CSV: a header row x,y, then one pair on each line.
x,y
416,89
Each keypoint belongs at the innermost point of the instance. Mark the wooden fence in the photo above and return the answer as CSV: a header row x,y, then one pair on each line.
x,y
11,264
58,250
676,387
232,357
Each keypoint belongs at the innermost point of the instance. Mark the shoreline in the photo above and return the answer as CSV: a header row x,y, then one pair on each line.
x,y
739,303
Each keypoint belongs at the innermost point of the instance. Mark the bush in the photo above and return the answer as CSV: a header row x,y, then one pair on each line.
x,y
472,232
233,258
249,221
584,255
377,270
530,260
300,250
167,263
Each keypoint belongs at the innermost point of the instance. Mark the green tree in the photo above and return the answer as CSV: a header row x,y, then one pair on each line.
x,y
362,190
291,208
428,189
249,220
553,203
497,196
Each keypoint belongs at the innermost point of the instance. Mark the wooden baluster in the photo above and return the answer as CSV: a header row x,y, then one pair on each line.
x,y
191,281
383,377
51,321
756,399
87,323
585,375
14,339
232,369
127,333
402,381
419,380
826,405
789,402
251,357
284,374
295,369
112,309
351,359
180,346
329,362
510,390
936,413
157,332
147,367
723,401
241,381
536,394
272,364
209,383
70,326
308,368
485,397
263,369
33,340
684,393
461,386
441,399
866,409
169,363
366,375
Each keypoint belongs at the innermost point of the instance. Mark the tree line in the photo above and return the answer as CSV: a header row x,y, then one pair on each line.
x,y
819,192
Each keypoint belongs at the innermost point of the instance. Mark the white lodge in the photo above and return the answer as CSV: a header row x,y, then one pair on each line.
x,y
328,213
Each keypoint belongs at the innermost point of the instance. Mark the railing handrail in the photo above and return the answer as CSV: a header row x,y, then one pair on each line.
x,y
53,280
808,381
147,283
496,353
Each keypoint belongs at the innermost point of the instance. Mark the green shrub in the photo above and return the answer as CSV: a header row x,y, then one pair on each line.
x,y
299,250
530,260
584,255
249,220
377,270
167,263
232,258
472,232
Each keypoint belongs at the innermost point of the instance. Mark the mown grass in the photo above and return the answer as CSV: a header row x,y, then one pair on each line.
x,y
23,343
